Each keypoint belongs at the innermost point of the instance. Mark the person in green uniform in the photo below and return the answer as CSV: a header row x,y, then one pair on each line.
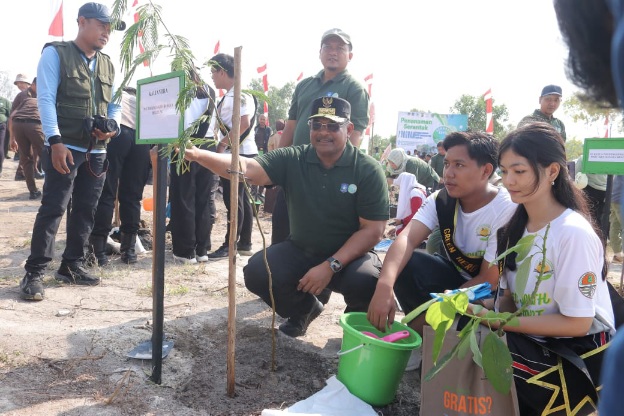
x,y
338,200
549,102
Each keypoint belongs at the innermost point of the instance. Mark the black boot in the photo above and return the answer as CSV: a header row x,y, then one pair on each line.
x,y
97,248
128,244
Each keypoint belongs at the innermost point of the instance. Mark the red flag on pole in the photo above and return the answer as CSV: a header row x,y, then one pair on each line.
x,y
489,122
262,70
300,76
135,6
371,109
369,83
386,153
56,26
606,125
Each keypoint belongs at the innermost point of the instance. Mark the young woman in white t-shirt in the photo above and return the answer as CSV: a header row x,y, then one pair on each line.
x,y
572,312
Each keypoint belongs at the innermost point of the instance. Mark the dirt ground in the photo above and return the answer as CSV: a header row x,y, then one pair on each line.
x,y
67,355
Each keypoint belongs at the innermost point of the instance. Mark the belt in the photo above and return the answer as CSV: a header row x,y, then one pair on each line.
x,y
27,120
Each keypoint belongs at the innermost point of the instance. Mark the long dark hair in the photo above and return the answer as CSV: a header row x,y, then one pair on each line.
x,y
541,145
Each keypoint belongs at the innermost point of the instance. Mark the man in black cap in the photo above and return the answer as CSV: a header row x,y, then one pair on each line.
x,y
75,85
549,101
338,200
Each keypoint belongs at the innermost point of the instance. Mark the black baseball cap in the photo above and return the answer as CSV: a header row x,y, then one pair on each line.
x,y
100,12
550,90
333,108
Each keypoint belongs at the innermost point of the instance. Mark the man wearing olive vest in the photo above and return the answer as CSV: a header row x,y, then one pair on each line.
x,y
78,117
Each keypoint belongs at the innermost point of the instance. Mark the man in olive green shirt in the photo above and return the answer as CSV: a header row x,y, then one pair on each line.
x,y
549,103
338,200
5,111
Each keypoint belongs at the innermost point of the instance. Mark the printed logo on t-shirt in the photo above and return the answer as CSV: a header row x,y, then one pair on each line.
x,y
483,232
332,94
587,284
547,268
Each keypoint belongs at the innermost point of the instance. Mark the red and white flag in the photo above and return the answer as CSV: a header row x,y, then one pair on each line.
x,y
262,70
385,153
217,48
369,84
300,77
606,126
371,108
489,121
135,7
56,25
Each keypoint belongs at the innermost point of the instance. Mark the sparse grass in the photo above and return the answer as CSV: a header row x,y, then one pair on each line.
x,y
179,290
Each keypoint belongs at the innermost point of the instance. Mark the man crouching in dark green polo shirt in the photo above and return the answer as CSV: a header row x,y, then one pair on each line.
x,y
337,199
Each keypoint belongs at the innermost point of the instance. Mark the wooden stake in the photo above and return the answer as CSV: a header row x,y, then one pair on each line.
x,y
234,184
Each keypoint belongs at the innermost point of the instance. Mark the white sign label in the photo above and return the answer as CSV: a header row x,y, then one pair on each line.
x,y
606,155
159,119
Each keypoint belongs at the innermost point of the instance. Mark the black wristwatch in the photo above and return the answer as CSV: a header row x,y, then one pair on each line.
x,y
334,264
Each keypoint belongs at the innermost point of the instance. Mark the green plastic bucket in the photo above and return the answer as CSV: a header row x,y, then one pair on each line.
x,y
371,368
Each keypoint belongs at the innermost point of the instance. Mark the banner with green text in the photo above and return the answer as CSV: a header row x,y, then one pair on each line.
x,y
422,131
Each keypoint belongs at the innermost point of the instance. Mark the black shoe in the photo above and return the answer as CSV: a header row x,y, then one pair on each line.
x,y
220,253
39,175
31,286
75,274
297,326
96,252
35,195
244,249
19,176
127,248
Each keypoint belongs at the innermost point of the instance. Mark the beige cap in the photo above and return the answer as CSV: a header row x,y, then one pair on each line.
x,y
21,78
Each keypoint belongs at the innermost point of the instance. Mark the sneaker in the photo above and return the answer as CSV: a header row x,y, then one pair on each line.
x,y
184,260
39,175
31,286
297,326
19,176
220,253
415,360
35,195
76,274
244,250
202,259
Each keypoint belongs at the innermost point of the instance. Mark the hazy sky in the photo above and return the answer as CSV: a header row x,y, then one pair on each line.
x,y
423,54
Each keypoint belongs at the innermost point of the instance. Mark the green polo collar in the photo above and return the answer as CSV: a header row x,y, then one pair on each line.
x,y
338,78
345,160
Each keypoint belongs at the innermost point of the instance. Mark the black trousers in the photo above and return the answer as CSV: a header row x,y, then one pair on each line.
x,y
596,199
288,264
193,210
280,227
4,143
245,216
424,274
84,189
126,178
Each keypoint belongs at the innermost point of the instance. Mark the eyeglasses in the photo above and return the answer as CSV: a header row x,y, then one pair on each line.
x,y
317,125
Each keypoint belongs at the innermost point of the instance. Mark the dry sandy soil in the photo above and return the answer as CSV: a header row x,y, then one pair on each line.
x,y
67,354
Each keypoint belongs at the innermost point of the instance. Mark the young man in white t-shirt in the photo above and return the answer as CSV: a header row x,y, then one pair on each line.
x,y
469,211
223,78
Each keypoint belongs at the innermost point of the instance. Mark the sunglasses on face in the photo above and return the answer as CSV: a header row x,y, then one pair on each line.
x,y
317,125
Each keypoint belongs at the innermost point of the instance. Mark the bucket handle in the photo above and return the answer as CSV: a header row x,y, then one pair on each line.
x,y
357,347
